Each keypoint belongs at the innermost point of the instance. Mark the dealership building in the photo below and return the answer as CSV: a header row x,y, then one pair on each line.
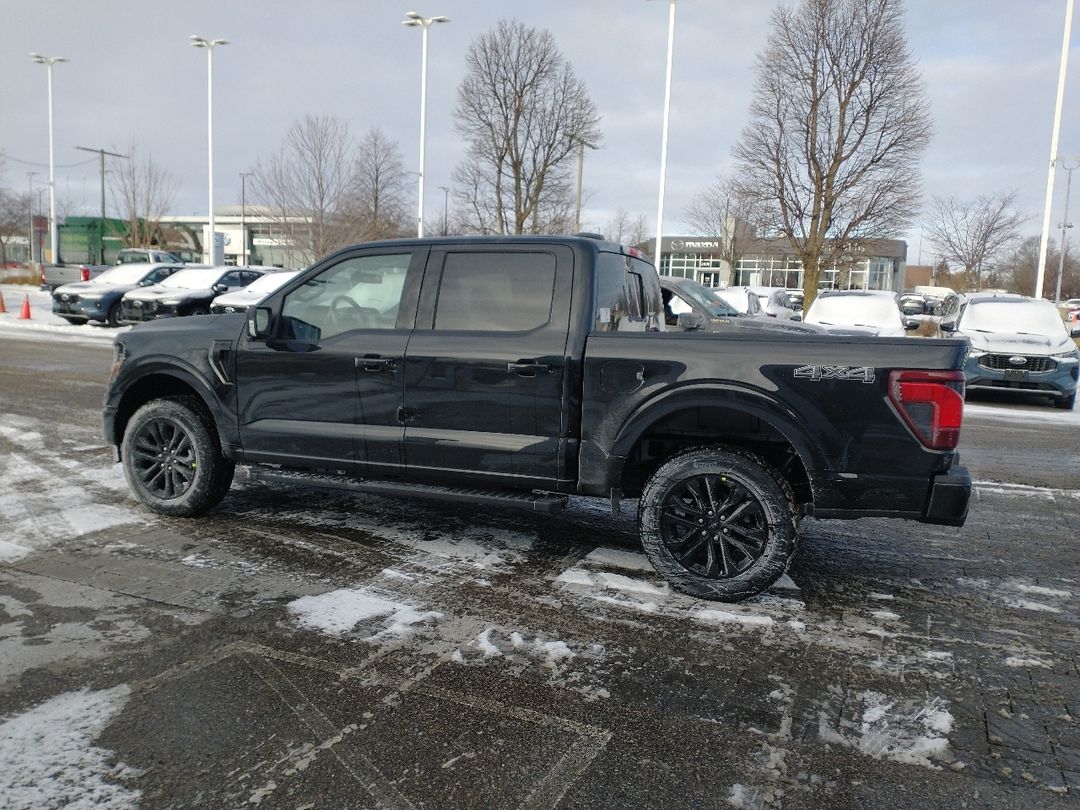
x,y
875,264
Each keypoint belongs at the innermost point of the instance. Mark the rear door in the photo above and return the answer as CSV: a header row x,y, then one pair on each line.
x,y
485,381
326,389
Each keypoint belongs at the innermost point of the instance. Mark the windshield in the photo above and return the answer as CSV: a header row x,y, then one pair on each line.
x,y
855,310
704,297
131,274
268,283
194,279
1017,317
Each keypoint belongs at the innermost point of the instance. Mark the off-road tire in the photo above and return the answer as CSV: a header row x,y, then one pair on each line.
x,y
733,472
172,459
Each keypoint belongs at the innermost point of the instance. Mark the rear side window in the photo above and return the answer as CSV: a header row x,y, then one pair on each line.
x,y
628,297
495,291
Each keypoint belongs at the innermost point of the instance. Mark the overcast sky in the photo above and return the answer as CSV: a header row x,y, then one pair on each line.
x,y
990,67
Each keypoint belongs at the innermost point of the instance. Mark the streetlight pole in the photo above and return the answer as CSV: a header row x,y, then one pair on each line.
x,y
582,143
209,45
243,213
445,209
54,240
664,132
30,204
1065,225
102,153
1044,243
416,20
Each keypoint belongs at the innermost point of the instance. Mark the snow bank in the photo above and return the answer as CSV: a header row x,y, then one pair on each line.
x,y
43,324
49,759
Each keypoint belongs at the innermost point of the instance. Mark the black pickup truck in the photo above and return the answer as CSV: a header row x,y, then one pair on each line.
x,y
522,370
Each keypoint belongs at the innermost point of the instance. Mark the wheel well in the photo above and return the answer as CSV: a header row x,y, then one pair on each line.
x,y
695,427
153,386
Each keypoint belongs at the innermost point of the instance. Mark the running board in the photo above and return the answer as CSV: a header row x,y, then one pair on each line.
x,y
533,501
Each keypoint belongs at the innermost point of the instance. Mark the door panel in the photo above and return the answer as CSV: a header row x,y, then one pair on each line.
x,y
484,387
327,389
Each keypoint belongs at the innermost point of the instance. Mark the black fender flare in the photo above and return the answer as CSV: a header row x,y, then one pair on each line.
x,y
722,395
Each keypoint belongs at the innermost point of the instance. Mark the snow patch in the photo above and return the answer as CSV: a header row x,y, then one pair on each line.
x,y
889,728
885,615
10,552
1026,604
629,560
726,617
881,597
338,612
49,757
1016,661
1040,590
483,641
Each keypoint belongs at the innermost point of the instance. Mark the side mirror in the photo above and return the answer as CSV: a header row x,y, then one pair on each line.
x,y
948,326
911,324
146,282
259,321
689,321
796,316
220,288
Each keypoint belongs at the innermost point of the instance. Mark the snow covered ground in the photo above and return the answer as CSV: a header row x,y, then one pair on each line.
x,y
42,323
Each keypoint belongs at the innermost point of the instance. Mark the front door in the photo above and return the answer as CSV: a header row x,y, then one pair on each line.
x,y
485,371
326,389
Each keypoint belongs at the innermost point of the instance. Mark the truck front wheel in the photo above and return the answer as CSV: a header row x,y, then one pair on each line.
x,y
172,460
718,523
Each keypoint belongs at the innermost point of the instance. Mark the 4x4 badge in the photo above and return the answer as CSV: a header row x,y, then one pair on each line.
x,y
864,374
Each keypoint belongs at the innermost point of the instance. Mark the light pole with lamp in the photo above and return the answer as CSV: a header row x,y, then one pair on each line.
x,y
664,132
54,239
243,213
1065,225
209,44
445,210
417,20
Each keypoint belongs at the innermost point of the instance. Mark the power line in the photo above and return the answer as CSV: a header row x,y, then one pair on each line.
x,y
44,165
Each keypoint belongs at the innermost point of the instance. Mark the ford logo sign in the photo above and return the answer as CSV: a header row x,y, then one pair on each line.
x,y
65,297
1018,360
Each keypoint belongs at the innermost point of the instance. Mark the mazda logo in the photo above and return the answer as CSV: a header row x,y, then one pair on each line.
x,y
1018,360
677,244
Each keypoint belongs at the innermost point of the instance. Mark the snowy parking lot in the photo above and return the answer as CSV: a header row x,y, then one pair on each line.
x,y
304,649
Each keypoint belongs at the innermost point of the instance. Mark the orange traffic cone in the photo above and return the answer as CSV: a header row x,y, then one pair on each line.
x,y
2,307
24,313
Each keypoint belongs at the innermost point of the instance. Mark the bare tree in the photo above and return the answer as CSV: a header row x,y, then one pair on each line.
x,y
378,196
975,234
727,211
14,219
523,112
837,124
304,187
1016,271
142,192
625,229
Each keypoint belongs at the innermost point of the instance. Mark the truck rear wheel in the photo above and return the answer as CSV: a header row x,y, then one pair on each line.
x,y
718,523
172,460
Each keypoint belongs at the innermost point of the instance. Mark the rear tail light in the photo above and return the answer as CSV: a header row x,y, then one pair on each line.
x,y
84,273
43,273
931,403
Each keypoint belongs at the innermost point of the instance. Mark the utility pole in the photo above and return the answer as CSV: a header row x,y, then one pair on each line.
x,y
243,213
445,208
30,205
1065,225
102,153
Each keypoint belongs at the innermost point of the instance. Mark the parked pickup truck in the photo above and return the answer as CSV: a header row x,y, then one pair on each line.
x,y
522,370
56,275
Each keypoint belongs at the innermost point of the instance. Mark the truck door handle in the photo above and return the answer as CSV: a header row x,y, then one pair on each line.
x,y
374,363
527,368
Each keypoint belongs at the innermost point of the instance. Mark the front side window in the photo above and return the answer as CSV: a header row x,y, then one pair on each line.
x,y
363,292
495,292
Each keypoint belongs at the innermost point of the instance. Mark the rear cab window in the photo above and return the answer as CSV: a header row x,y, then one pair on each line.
x,y
627,295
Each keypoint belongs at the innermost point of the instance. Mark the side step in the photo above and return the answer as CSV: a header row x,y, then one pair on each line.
x,y
533,501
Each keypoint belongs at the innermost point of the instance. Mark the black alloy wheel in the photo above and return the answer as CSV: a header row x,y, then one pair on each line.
x,y
713,526
164,458
718,523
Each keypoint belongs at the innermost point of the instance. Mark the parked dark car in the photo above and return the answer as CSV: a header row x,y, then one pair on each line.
x,y
99,299
188,292
1018,344
517,371
689,305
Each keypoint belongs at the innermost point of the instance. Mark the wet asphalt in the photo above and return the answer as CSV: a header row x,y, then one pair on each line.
x,y
515,660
